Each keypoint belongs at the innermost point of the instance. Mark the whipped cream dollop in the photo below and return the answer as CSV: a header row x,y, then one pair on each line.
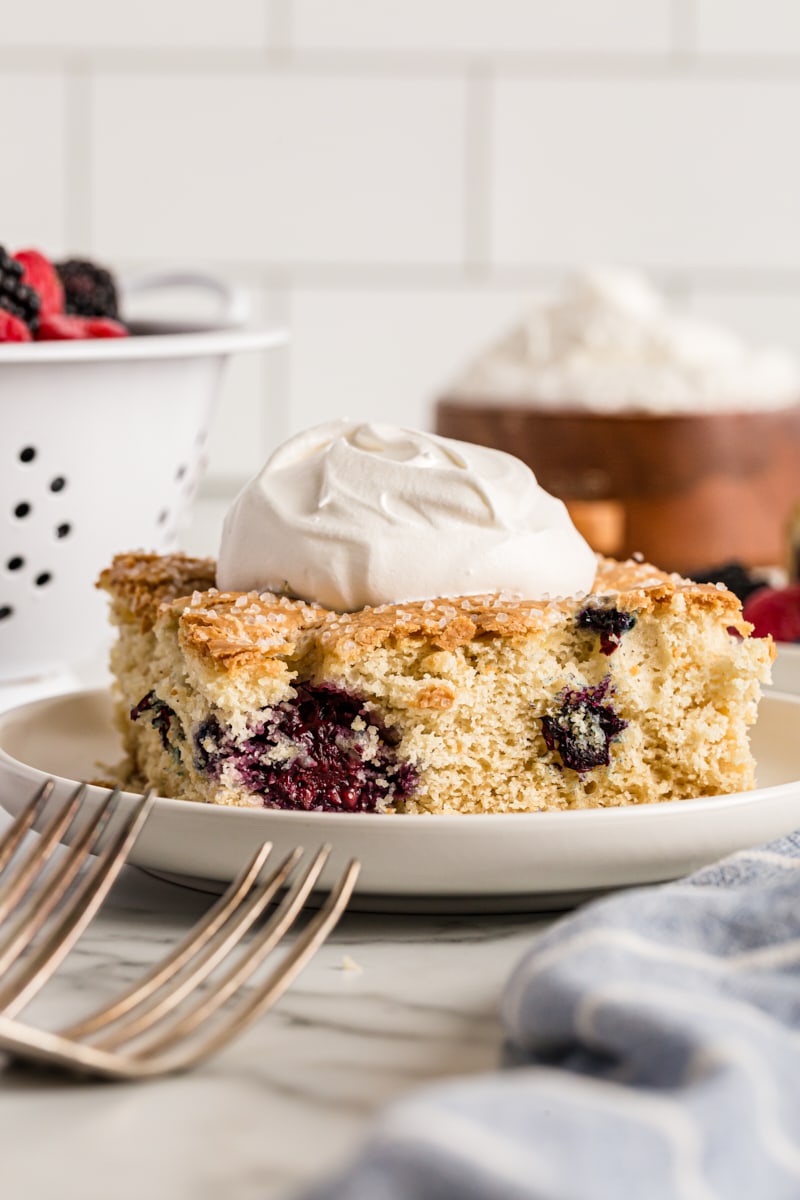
x,y
609,343
350,515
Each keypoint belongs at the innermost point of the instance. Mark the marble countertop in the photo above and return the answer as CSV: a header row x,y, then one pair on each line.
x,y
288,1101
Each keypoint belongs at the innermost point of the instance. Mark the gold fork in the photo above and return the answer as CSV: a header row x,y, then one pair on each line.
x,y
29,894
159,1025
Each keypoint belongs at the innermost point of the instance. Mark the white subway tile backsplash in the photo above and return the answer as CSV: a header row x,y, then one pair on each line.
x,y
147,24
251,416
745,27
475,26
202,526
305,169
673,173
386,177
384,355
33,164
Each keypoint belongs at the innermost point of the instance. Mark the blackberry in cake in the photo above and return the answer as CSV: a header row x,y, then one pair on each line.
x,y
641,691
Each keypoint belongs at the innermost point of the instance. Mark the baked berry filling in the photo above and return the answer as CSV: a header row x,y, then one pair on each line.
x,y
161,719
610,623
323,751
582,728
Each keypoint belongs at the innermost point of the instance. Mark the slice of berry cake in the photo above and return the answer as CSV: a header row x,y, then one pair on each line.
x,y
641,691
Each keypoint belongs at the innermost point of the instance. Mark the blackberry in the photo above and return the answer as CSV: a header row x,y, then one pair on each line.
x,y
323,752
16,297
609,622
735,576
89,290
582,727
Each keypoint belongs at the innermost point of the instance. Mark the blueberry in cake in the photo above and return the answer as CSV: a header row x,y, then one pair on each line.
x,y
641,691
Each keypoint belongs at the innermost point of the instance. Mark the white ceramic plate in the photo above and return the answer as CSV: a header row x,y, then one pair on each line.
x,y
513,862
786,669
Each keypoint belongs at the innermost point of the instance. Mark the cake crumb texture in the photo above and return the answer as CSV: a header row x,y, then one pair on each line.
x,y
640,692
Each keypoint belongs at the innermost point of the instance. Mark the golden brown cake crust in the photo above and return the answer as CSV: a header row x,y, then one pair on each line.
x,y
142,582
449,623
243,630
246,631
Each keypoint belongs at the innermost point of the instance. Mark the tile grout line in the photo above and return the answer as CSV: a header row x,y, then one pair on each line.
x,y
78,166
282,57
478,146
398,276
279,375
278,17
683,31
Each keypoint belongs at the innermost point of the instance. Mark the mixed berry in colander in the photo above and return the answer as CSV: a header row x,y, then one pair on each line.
x,y
44,301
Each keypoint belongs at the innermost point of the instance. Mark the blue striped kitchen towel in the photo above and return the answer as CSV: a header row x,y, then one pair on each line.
x,y
656,1042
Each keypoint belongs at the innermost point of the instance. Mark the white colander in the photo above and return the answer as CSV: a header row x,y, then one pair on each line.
x,y
101,451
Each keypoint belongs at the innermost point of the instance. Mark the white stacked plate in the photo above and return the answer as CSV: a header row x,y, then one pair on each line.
x,y
786,669
513,862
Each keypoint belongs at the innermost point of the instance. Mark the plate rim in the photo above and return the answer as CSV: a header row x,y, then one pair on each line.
x,y
653,810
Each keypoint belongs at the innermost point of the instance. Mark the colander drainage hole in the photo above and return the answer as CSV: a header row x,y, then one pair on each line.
x,y
58,484
22,509
162,517
27,454
5,611
64,530
16,563
43,579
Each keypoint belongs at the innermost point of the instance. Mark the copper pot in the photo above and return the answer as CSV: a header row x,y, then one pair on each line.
x,y
686,491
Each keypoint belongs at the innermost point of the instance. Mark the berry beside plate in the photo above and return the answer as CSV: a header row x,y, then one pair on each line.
x,y
775,611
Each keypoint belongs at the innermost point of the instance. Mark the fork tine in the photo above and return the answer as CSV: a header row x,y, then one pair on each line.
x,y
88,897
264,996
258,950
211,951
41,904
22,823
27,1044
52,1049
168,967
15,887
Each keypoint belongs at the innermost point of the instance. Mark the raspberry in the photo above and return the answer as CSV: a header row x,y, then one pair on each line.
x,y
61,328
12,329
40,274
104,327
775,611
89,290
15,296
